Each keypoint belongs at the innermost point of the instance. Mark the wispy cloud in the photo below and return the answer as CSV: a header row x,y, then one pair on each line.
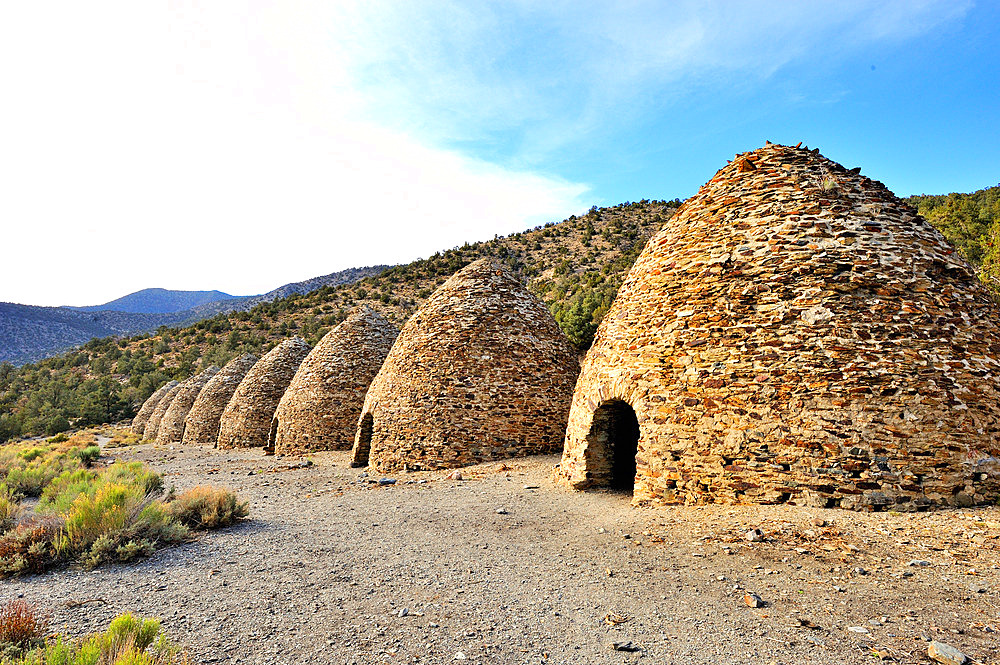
x,y
459,74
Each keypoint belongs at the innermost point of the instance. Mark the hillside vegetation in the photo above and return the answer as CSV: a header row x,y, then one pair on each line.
x,y
972,223
575,266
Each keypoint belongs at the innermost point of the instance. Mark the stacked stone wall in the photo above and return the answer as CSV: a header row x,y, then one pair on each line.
x,y
246,422
172,424
202,422
153,424
321,407
480,372
796,334
146,410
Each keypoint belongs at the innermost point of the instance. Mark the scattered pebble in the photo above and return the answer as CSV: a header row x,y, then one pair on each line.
x,y
624,646
946,654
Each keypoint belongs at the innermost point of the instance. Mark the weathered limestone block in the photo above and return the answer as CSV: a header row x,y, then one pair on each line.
x,y
202,422
172,424
246,421
321,407
153,424
146,410
794,334
480,372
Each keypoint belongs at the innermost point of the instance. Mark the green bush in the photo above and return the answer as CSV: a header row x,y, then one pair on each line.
x,y
10,509
129,640
116,516
88,455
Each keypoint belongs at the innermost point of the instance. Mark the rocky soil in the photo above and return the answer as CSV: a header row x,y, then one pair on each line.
x,y
504,566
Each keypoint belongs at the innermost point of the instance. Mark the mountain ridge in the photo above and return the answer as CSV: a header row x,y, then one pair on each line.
x,y
29,333
156,300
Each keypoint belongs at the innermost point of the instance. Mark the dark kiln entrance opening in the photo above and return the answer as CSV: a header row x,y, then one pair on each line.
x,y
612,446
363,445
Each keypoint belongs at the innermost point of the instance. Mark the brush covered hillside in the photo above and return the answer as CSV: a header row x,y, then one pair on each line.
x,y
575,266
971,222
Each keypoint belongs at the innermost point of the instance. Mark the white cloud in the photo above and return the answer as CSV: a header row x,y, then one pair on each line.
x,y
567,70
241,145
210,147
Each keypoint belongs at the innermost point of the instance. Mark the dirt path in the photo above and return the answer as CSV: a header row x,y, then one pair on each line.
x,y
506,567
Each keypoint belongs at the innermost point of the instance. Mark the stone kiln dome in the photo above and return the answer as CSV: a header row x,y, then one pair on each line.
x,y
247,419
146,410
321,407
153,424
202,422
795,333
172,424
480,372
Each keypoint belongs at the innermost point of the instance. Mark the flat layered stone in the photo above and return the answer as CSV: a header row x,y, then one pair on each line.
x,y
172,424
152,427
246,421
146,410
795,333
202,423
480,372
321,408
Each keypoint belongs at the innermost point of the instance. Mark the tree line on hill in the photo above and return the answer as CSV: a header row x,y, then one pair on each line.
x,y
971,222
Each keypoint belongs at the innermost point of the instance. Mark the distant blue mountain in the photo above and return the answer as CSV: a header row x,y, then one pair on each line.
x,y
29,333
158,301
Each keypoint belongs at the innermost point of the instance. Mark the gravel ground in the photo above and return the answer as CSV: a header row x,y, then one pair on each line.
x,y
507,567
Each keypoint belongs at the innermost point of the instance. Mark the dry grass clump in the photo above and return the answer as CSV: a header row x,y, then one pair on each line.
x,y
129,640
122,437
207,507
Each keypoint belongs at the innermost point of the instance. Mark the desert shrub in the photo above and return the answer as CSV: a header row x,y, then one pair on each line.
x,y
206,507
27,469
22,626
119,522
61,492
58,438
30,546
10,509
88,455
129,640
125,437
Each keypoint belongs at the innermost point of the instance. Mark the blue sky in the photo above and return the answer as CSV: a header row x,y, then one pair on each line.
x,y
242,145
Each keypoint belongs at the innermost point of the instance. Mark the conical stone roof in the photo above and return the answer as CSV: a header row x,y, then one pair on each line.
x,y
795,333
146,410
202,422
480,372
172,424
153,424
321,407
246,421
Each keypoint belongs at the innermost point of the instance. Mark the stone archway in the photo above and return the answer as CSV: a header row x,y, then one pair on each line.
x,y
612,445
363,443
